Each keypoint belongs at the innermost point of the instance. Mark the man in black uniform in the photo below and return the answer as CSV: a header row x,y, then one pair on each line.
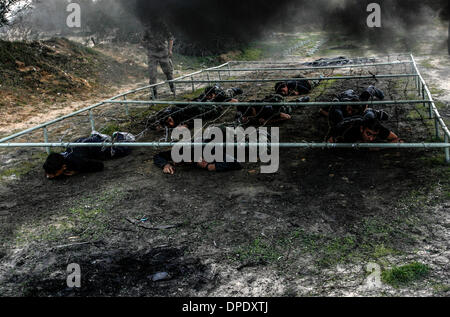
x,y
338,113
164,161
363,129
185,114
86,159
295,87
268,114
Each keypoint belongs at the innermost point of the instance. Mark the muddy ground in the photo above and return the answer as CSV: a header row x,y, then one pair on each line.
x,y
310,229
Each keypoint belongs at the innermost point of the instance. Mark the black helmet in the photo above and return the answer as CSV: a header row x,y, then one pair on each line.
x,y
379,115
370,93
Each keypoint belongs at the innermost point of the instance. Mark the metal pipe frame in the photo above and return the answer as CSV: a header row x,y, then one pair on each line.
x,y
123,95
220,69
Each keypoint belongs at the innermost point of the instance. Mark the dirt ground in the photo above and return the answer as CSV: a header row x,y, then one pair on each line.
x,y
311,229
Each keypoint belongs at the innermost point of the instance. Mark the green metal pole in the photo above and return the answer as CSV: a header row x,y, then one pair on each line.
x,y
438,133
127,110
447,150
430,107
46,140
91,119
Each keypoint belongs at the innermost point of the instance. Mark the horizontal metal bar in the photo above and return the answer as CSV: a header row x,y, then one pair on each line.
x,y
291,79
281,145
318,67
262,104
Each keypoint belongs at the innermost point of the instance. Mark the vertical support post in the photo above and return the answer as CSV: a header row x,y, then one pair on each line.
x,y
209,78
447,150
193,85
229,70
127,110
419,90
91,119
152,93
437,124
430,107
220,75
46,140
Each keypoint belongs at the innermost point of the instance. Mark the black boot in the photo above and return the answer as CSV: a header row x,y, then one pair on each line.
x,y
172,88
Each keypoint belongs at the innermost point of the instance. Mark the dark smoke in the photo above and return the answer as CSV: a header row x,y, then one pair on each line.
x,y
400,19
215,25
218,25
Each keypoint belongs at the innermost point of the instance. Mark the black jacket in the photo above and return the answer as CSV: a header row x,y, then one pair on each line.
x,y
88,159
163,158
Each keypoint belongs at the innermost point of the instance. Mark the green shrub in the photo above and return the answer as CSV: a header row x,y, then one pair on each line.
x,y
403,275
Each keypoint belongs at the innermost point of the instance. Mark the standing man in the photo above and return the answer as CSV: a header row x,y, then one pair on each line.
x,y
158,40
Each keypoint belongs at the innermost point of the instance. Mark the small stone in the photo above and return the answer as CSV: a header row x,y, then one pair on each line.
x,y
160,276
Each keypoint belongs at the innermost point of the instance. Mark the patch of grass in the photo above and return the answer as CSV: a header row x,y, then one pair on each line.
x,y
250,54
110,128
427,64
194,62
440,105
441,288
436,91
192,95
18,171
86,213
381,251
258,251
440,171
85,220
24,167
337,250
405,275
322,88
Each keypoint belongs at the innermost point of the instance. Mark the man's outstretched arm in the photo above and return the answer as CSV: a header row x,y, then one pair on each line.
x,y
162,160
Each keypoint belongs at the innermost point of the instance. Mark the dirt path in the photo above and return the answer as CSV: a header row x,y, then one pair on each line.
x,y
34,114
